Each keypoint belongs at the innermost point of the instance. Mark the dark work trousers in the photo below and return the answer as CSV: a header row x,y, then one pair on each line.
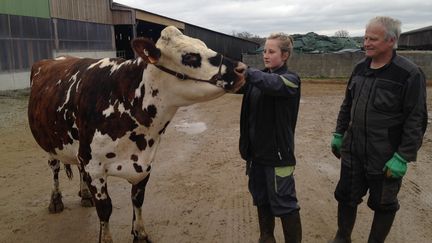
x,y
267,188
354,183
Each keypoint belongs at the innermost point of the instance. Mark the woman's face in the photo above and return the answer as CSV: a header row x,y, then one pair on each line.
x,y
273,55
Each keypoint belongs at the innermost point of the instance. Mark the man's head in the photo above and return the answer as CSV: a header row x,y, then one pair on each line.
x,y
381,36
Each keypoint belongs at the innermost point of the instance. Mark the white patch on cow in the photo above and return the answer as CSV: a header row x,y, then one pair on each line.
x,y
59,82
110,110
60,58
138,90
68,154
73,79
39,69
123,147
106,62
98,184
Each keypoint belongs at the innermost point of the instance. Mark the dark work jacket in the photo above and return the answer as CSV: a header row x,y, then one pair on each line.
x,y
384,111
268,136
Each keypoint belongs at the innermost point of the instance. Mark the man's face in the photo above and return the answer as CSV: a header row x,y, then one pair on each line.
x,y
375,43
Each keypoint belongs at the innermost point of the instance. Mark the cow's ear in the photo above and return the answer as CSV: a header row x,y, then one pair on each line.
x,y
146,49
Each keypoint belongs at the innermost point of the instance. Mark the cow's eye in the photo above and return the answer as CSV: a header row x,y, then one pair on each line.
x,y
192,59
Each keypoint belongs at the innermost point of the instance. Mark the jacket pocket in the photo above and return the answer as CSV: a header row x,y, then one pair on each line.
x,y
387,95
284,180
390,191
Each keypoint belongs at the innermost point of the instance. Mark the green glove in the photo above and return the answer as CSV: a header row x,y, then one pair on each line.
x,y
396,167
336,144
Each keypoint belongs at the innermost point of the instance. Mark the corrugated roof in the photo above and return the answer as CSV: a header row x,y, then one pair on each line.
x,y
428,28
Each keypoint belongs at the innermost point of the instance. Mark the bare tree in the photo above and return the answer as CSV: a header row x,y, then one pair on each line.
x,y
249,36
342,33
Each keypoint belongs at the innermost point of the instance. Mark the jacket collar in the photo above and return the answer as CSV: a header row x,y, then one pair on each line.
x,y
281,70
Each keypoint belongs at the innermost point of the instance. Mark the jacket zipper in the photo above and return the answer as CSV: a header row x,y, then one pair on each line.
x,y
365,121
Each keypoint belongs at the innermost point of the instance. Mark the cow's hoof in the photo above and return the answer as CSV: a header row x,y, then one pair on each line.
x,y
56,204
144,240
56,207
87,202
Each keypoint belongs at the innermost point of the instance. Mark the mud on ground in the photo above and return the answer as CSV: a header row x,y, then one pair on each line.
x,y
198,190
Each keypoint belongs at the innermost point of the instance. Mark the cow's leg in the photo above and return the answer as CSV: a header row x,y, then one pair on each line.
x,y
137,195
99,190
56,204
84,193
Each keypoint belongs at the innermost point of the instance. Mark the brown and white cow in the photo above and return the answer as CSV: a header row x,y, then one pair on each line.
x,y
107,115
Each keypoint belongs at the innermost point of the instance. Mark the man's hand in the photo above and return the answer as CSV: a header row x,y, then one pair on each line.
x,y
396,167
336,144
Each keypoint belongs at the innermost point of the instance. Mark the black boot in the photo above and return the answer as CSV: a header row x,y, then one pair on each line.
x,y
292,229
266,221
381,225
346,219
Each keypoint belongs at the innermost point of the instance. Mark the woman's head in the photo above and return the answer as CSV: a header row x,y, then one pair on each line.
x,y
277,50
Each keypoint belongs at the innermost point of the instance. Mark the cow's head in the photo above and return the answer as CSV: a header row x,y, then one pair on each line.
x,y
191,61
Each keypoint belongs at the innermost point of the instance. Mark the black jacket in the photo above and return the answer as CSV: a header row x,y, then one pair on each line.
x,y
384,111
268,116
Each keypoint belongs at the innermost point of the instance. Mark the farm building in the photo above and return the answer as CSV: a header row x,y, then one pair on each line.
x,y
31,30
419,39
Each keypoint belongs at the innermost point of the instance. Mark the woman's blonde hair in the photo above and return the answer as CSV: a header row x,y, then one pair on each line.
x,y
286,42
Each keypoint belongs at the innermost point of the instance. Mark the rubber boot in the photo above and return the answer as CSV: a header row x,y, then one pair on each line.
x,y
292,229
266,221
381,225
346,219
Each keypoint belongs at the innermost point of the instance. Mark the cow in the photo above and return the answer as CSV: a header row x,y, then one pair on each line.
x,y
107,115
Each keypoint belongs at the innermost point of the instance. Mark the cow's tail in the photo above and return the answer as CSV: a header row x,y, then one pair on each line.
x,y
69,172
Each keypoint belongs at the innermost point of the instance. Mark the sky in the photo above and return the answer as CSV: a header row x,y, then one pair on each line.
x,y
262,17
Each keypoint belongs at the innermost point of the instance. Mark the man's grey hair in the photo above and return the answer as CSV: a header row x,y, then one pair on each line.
x,y
392,27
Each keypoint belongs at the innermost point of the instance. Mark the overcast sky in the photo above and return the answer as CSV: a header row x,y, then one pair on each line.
x,y
261,17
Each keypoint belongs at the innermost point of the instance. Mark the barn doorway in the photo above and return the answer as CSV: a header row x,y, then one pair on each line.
x,y
123,37
149,30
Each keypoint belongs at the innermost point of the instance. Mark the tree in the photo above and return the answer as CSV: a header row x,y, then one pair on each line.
x,y
341,33
249,36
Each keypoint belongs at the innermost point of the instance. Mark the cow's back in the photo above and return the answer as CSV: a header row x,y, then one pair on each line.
x,y
68,94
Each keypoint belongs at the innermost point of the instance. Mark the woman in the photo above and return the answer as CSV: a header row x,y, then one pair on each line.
x,y
267,124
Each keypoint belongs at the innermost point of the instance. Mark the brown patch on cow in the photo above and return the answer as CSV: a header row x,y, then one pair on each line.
x,y
138,168
139,140
148,168
75,134
164,128
98,195
102,180
80,98
145,117
134,157
151,142
119,167
155,92
110,155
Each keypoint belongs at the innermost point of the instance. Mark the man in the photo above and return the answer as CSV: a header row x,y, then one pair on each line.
x,y
379,130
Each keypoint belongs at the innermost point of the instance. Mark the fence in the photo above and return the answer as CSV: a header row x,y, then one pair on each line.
x,y
336,65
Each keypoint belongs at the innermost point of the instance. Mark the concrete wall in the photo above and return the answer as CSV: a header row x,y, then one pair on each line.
x,y
335,65
21,79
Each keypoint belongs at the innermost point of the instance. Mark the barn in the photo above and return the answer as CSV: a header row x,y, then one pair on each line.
x,y
419,39
37,29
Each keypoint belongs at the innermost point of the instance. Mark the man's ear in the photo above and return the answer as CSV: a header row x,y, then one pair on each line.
x,y
146,49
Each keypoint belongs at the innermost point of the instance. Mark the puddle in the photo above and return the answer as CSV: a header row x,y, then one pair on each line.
x,y
191,128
